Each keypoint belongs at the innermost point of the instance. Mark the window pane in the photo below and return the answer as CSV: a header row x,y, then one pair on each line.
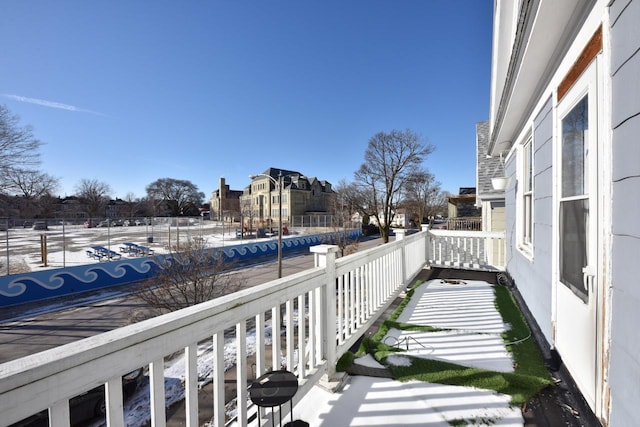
x,y
574,217
528,226
574,131
528,167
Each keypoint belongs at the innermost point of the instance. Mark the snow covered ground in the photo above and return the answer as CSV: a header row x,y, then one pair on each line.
x,y
68,247
472,338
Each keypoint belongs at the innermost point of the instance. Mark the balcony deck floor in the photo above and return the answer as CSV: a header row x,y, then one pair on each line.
x,y
369,401
461,308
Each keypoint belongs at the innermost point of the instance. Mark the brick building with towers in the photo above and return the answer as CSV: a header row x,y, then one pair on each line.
x,y
225,203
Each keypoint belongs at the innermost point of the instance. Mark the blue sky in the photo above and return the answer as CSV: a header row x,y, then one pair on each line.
x,y
128,92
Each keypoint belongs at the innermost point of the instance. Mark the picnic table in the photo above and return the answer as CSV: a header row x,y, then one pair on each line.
x,y
135,249
103,254
128,247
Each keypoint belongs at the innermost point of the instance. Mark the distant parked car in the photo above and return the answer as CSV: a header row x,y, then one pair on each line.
x,y
40,225
88,405
439,225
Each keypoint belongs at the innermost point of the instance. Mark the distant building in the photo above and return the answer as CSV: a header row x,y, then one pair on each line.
x,y
463,212
225,203
490,182
401,218
463,204
301,196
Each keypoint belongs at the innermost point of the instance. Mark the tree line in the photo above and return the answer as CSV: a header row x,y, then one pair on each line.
x,y
28,192
393,177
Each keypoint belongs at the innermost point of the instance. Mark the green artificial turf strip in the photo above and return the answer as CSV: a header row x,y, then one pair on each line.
x,y
530,374
520,387
366,344
391,324
527,357
345,362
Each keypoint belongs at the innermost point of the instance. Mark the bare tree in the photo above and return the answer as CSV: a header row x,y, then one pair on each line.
x,y
35,188
194,275
341,213
135,206
440,206
389,160
18,147
181,196
32,183
423,195
246,216
95,194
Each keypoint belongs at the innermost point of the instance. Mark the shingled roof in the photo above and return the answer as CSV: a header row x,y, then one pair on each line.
x,y
487,167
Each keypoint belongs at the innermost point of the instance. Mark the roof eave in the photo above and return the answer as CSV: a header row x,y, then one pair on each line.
x,y
544,32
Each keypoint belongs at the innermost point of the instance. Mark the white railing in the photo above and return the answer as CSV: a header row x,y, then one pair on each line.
x,y
464,223
476,250
323,311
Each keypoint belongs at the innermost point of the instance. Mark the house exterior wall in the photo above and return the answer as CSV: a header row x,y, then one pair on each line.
x,y
554,37
532,272
497,216
263,199
299,202
624,370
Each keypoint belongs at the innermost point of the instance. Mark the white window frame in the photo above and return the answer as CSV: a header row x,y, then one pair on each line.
x,y
525,196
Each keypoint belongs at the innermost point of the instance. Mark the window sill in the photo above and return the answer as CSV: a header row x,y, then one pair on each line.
x,y
526,251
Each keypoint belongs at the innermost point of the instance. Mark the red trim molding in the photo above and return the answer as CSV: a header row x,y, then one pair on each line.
x,y
586,56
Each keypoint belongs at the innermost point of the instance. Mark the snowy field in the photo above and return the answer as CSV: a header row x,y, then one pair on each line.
x,y
22,249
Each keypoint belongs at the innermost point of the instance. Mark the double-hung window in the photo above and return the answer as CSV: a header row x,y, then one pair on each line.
x,y
526,195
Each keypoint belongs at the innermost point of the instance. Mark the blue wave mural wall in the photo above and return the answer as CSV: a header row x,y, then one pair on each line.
x,y
39,285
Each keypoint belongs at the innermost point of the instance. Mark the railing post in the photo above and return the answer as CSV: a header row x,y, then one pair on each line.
x,y
156,385
325,256
489,250
400,233
427,244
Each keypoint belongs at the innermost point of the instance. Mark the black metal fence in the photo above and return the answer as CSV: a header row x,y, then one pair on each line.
x,y
32,244
35,244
